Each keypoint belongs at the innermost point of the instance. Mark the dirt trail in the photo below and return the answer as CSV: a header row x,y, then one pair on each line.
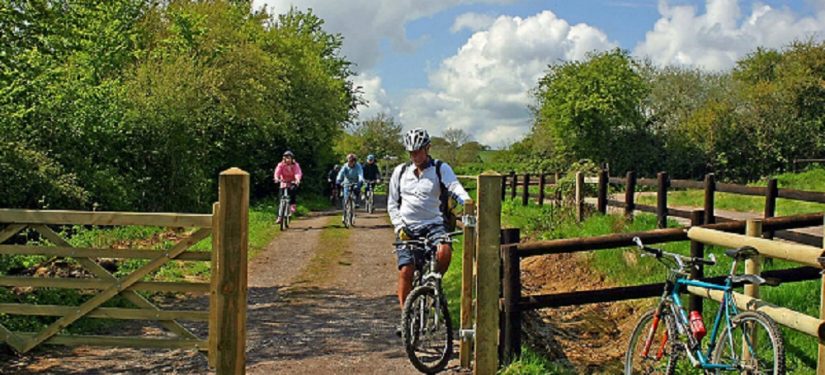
x,y
306,314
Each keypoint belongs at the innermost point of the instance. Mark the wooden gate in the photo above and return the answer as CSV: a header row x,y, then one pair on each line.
x,y
227,289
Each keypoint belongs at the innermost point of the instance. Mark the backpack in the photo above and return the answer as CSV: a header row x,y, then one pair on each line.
x,y
444,197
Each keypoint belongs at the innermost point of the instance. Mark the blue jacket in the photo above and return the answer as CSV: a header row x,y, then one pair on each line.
x,y
352,175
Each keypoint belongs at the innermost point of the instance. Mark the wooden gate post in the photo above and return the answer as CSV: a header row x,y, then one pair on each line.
x,y
661,200
525,194
513,184
820,363
579,197
630,190
602,200
503,188
511,284
541,188
710,188
771,192
488,282
753,228
467,267
230,278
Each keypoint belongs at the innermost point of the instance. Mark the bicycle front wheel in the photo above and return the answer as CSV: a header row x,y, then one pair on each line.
x,y
753,345
427,330
652,348
283,209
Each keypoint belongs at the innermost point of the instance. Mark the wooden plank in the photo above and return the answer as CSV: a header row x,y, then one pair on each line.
x,y
511,293
122,341
148,286
466,320
678,213
610,241
687,184
10,230
80,252
617,180
616,203
645,208
488,282
11,338
213,294
647,182
740,189
801,195
803,254
104,218
661,200
104,312
233,245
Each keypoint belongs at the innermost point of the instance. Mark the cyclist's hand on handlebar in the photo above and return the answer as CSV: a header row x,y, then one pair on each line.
x,y
404,234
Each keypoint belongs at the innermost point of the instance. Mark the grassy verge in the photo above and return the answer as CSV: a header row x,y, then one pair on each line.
x,y
333,250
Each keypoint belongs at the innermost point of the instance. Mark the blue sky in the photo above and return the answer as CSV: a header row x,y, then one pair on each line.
x,y
470,64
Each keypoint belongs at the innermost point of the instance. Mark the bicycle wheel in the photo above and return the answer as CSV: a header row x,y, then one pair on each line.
x,y
370,202
351,212
345,215
427,330
282,213
651,349
753,344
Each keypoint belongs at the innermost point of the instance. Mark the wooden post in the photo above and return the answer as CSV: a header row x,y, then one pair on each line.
x,y
556,178
602,201
541,188
753,228
697,250
488,282
771,192
511,281
213,289
467,259
710,188
513,184
231,299
630,190
579,202
525,194
661,200
820,363
503,188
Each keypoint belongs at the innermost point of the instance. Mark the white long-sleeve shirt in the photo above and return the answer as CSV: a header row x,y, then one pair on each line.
x,y
420,203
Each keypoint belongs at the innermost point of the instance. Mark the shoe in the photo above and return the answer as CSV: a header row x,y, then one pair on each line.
x,y
292,208
398,329
278,221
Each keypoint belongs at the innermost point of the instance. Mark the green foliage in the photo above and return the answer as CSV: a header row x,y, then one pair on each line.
x,y
532,363
379,135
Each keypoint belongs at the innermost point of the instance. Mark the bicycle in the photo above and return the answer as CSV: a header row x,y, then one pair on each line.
x,y
349,206
426,328
334,195
750,341
283,208
369,196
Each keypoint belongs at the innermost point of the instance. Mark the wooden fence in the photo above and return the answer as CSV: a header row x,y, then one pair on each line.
x,y
227,289
519,185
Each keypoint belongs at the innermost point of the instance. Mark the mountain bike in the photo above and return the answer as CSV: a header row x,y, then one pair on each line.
x,y
349,206
283,208
369,196
748,342
426,328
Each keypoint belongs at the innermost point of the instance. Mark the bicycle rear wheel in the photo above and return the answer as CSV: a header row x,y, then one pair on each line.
x,y
427,330
651,349
754,345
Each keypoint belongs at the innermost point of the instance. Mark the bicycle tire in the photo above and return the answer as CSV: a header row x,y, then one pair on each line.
x,y
670,353
419,301
370,202
351,213
282,208
751,320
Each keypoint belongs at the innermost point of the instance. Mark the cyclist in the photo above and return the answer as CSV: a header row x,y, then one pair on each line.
x,y
351,173
415,205
372,174
332,176
288,175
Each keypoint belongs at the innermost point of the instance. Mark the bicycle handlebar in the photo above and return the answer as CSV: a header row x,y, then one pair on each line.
x,y
425,241
680,259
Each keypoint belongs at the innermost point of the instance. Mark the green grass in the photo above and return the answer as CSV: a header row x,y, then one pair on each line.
x,y
811,180
531,363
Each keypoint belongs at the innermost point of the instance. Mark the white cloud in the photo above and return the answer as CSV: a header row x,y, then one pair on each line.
x,y
366,23
484,88
472,21
375,95
716,39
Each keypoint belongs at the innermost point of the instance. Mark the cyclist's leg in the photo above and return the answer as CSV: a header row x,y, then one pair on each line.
x,y
406,268
443,254
293,197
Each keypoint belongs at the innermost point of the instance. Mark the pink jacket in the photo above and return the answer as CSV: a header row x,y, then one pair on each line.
x,y
288,173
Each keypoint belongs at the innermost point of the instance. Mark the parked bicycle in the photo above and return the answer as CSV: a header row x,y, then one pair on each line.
x,y
426,328
369,196
748,342
284,214
349,206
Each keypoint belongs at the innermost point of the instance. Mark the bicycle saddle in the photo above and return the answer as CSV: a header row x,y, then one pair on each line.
x,y
742,253
755,280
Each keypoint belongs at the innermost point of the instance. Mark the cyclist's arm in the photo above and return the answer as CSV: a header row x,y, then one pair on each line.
x,y
360,171
277,175
298,174
393,209
449,179
340,177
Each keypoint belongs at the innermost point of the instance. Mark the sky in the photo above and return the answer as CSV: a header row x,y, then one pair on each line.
x,y
471,64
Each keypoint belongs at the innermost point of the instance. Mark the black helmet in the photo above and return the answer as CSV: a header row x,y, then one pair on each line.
x,y
289,153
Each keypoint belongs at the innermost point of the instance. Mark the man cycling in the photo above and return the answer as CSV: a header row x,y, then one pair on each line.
x,y
372,174
353,175
332,176
414,206
288,175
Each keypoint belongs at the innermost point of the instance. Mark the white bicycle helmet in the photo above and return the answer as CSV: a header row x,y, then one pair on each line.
x,y
416,139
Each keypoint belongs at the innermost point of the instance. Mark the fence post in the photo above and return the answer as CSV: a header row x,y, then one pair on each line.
x,y
488,282
753,228
513,184
602,201
710,188
511,283
630,190
525,195
661,200
231,299
697,249
541,188
579,198
820,364
503,188
556,177
213,288
467,259
771,192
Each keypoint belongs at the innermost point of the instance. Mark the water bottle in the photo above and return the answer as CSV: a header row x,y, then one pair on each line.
x,y
696,325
